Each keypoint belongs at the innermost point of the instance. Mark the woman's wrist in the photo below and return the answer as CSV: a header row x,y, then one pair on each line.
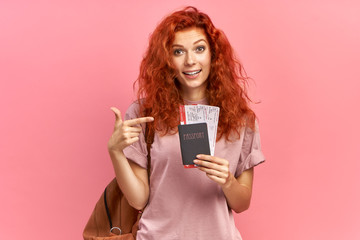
x,y
229,182
116,154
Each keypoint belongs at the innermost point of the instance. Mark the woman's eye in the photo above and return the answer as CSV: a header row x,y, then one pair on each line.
x,y
178,52
200,49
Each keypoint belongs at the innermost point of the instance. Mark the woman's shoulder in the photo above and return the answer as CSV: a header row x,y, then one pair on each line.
x,y
133,110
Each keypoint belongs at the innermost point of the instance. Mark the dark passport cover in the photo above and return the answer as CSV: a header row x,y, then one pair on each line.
x,y
194,140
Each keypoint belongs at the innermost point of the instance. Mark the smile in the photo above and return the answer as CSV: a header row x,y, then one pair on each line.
x,y
192,73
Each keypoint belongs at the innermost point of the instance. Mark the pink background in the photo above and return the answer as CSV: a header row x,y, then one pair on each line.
x,y
63,64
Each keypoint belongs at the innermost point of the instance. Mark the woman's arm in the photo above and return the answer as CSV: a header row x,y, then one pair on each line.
x,y
131,178
237,190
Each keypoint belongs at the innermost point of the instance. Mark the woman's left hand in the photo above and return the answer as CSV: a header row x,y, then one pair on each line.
x,y
217,169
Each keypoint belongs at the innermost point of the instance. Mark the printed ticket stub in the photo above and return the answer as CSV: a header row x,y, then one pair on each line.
x,y
192,114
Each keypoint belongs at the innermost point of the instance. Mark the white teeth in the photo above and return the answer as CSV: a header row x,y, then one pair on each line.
x,y
192,73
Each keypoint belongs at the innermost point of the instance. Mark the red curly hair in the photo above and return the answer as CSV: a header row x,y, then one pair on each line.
x,y
226,84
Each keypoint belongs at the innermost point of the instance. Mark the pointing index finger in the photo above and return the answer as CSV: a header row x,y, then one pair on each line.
x,y
136,121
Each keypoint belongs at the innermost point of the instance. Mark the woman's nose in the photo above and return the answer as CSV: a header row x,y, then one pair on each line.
x,y
190,59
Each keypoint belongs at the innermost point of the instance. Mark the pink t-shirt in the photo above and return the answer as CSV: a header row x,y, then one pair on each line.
x,y
185,203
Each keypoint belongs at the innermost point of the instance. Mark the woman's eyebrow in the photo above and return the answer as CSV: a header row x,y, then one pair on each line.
x,y
197,41
177,45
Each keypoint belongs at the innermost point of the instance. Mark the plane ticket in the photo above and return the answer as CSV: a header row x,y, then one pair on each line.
x,y
190,114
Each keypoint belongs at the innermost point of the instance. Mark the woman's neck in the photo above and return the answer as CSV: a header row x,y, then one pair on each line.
x,y
193,96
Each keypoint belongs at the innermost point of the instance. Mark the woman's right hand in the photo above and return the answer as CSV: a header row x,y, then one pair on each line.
x,y
125,132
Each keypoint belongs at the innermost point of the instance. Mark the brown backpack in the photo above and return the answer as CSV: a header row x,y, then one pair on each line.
x,y
113,217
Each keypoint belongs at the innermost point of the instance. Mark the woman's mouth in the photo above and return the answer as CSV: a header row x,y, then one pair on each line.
x,y
192,73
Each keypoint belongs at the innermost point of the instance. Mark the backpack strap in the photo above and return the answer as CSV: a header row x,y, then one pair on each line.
x,y
149,139
109,216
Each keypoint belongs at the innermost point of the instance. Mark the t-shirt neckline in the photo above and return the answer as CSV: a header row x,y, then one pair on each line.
x,y
203,101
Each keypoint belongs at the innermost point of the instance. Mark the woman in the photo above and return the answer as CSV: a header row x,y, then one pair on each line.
x,y
188,61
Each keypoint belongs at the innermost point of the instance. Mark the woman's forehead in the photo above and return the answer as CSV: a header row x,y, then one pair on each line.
x,y
190,36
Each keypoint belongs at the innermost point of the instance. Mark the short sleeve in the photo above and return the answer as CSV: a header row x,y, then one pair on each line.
x,y
136,152
251,154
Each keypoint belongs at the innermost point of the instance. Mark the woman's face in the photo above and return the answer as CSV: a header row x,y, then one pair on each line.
x,y
191,57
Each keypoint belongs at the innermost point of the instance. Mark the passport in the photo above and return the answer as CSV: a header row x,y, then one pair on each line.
x,y
194,140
